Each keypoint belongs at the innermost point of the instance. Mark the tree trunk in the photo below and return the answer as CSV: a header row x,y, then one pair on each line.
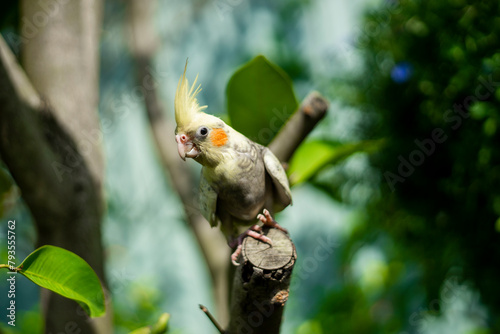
x,y
50,139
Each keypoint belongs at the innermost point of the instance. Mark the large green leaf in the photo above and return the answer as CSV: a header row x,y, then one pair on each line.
x,y
260,99
67,274
314,155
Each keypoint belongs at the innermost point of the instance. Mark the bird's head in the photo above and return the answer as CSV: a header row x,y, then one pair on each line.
x,y
198,135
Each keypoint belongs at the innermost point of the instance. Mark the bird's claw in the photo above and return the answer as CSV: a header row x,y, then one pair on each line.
x,y
234,256
253,232
266,219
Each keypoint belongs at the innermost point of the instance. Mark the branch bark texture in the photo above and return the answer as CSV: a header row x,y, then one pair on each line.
x,y
261,284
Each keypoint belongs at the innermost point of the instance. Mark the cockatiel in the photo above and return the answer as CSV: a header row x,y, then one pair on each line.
x,y
239,178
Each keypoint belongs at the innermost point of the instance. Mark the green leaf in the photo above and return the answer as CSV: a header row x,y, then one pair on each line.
x,y
312,156
159,328
67,274
260,99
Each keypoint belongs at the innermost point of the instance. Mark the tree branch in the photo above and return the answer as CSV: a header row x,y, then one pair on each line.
x,y
296,129
62,62
22,134
212,319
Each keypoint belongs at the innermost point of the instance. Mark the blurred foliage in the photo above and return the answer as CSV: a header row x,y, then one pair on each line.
x,y
160,327
140,308
26,322
430,86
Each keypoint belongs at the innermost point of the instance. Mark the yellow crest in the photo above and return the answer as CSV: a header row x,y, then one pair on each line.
x,y
186,105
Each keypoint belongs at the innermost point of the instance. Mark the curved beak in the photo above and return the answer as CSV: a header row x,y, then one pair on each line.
x,y
185,147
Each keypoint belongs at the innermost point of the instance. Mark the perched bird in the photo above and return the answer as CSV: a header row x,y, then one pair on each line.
x,y
239,178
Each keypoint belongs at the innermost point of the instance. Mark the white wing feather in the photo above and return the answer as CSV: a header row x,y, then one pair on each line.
x,y
278,175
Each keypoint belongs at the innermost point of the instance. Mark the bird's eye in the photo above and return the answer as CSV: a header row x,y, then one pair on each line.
x,y
202,131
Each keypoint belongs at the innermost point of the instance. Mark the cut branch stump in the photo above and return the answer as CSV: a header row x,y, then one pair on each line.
x,y
261,283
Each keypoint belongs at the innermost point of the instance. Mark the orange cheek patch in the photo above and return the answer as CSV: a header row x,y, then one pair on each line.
x,y
218,137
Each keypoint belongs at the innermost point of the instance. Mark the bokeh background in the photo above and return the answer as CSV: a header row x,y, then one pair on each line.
x,y
403,239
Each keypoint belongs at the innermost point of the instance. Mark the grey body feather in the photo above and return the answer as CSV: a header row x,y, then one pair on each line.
x,y
241,188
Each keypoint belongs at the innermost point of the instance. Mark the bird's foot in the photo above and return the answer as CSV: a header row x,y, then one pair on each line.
x,y
255,232
266,219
